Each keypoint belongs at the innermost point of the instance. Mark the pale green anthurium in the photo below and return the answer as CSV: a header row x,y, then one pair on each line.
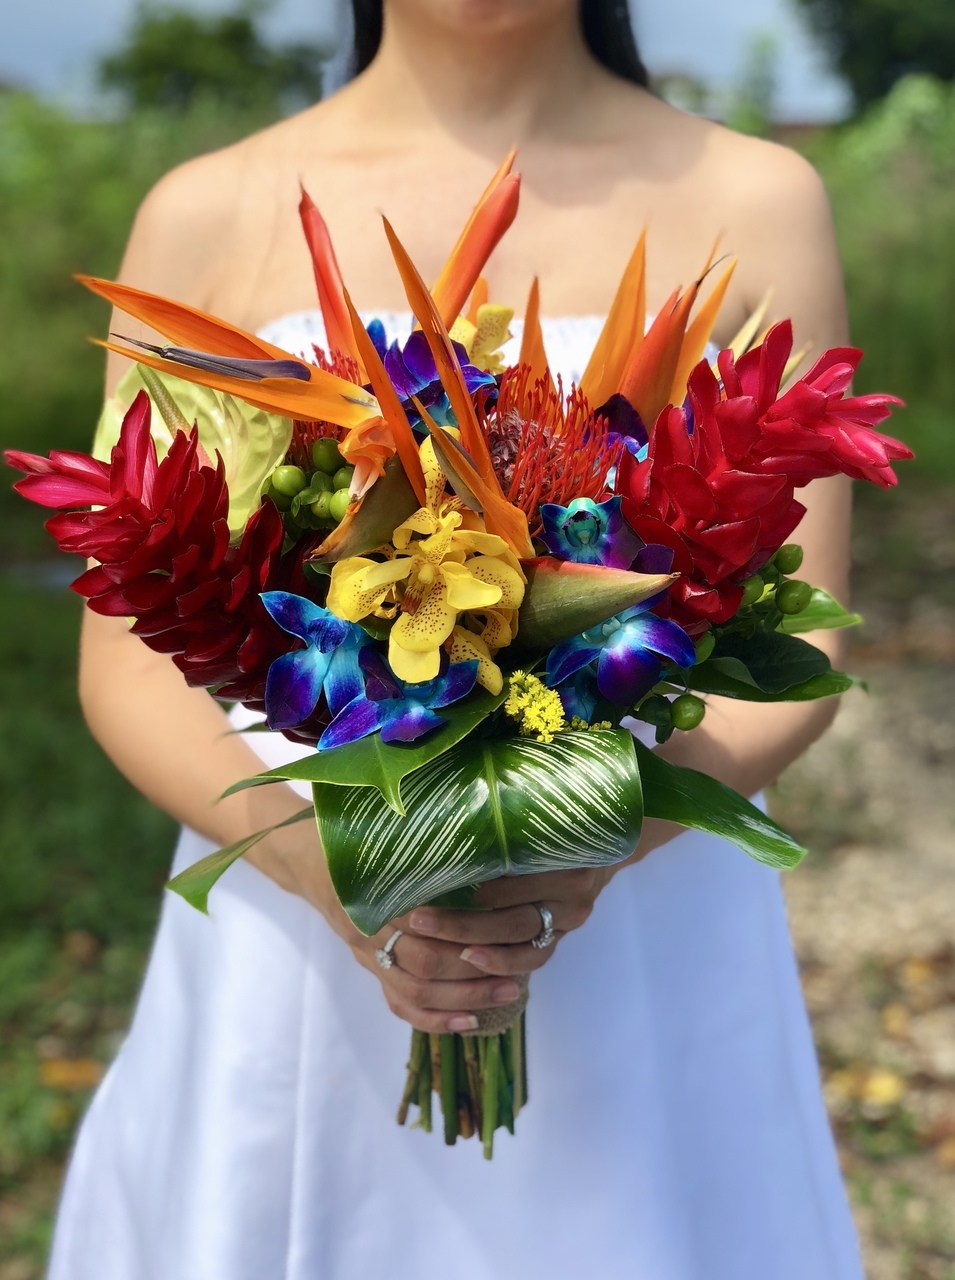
x,y
251,442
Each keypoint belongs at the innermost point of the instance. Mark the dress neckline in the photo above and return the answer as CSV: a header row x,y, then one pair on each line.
x,y
366,313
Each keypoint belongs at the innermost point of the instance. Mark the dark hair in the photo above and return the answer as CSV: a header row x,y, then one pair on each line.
x,y
606,25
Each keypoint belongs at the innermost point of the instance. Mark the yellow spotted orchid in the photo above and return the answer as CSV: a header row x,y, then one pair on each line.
x,y
443,565
483,336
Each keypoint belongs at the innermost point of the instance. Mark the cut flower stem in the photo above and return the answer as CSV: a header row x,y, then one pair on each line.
x,y
481,1081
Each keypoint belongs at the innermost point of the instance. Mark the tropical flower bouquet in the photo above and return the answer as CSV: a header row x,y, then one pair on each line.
x,y
461,582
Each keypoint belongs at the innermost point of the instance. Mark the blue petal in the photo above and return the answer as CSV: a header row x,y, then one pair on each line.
x,y
343,682
398,373
567,657
579,695
380,684
332,631
457,683
623,421
355,721
625,673
663,637
653,558
418,359
376,331
475,379
293,687
294,614
408,721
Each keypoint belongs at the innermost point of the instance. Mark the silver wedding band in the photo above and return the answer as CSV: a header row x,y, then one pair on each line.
x,y
546,936
384,954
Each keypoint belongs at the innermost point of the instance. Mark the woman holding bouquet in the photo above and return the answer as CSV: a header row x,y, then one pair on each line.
x,y
677,1130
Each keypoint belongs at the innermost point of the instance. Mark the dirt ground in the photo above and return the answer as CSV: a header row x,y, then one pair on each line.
x,y
873,907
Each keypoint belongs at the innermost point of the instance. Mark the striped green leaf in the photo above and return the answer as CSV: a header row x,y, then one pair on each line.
x,y
484,808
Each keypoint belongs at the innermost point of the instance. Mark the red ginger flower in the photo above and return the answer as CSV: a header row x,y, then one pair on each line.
x,y
718,481
160,533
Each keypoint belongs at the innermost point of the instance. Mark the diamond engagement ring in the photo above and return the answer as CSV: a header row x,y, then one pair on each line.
x,y
546,936
384,954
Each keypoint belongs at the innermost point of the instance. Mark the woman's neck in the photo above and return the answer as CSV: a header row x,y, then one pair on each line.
x,y
488,88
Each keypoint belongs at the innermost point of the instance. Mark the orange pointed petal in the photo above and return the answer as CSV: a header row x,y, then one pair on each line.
x,y
479,297
186,326
532,339
698,335
623,331
649,378
391,407
500,516
449,370
328,280
491,218
324,398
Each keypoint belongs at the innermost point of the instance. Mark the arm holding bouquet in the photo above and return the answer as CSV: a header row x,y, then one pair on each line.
x,y
455,580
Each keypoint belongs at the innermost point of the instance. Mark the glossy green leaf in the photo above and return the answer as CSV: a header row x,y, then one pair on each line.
x,y
485,808
698,801
823,613
562,598
730,679
250,441
373,763
767,667
194,883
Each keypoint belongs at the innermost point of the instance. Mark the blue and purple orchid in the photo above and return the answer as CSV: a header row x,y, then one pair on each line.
x,y
629,651
589,532
413,373
329,662
401,712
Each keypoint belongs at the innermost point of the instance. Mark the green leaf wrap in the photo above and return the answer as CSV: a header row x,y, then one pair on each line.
x,y
373,763
485,808
696,800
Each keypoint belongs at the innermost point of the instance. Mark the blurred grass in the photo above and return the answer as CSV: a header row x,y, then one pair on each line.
x,y
83,856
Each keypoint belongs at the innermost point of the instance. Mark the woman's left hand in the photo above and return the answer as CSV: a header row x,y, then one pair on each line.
x,y
497,939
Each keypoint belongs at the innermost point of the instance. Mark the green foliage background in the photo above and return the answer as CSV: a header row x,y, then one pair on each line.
x,y
874,43
82,855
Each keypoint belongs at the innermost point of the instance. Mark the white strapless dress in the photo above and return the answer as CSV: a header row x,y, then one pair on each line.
x,y
675,1130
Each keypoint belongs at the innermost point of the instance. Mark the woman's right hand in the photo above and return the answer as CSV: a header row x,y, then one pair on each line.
x,y
429,985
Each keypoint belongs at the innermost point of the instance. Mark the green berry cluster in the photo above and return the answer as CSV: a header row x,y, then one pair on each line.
x,y
772,591
316,500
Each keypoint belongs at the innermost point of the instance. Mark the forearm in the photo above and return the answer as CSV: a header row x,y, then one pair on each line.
x,y
176,746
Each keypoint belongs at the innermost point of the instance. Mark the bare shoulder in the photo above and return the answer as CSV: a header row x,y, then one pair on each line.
x,y
188,220
767,188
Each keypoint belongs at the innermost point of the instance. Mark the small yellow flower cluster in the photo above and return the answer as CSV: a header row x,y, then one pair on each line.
x,y
577,723
537,709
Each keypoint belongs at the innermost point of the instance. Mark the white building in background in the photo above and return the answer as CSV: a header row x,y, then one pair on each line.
x,y
50,44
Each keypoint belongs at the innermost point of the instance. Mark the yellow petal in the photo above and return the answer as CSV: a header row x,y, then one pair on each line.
x,y
434,480
492,332
422,521
435,548
500,626
465,332
414,668
358,585
488,544
465,646
465,591
495,572
430,624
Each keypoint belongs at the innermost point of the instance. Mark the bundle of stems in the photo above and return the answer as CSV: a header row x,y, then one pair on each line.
x,y
480,1080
